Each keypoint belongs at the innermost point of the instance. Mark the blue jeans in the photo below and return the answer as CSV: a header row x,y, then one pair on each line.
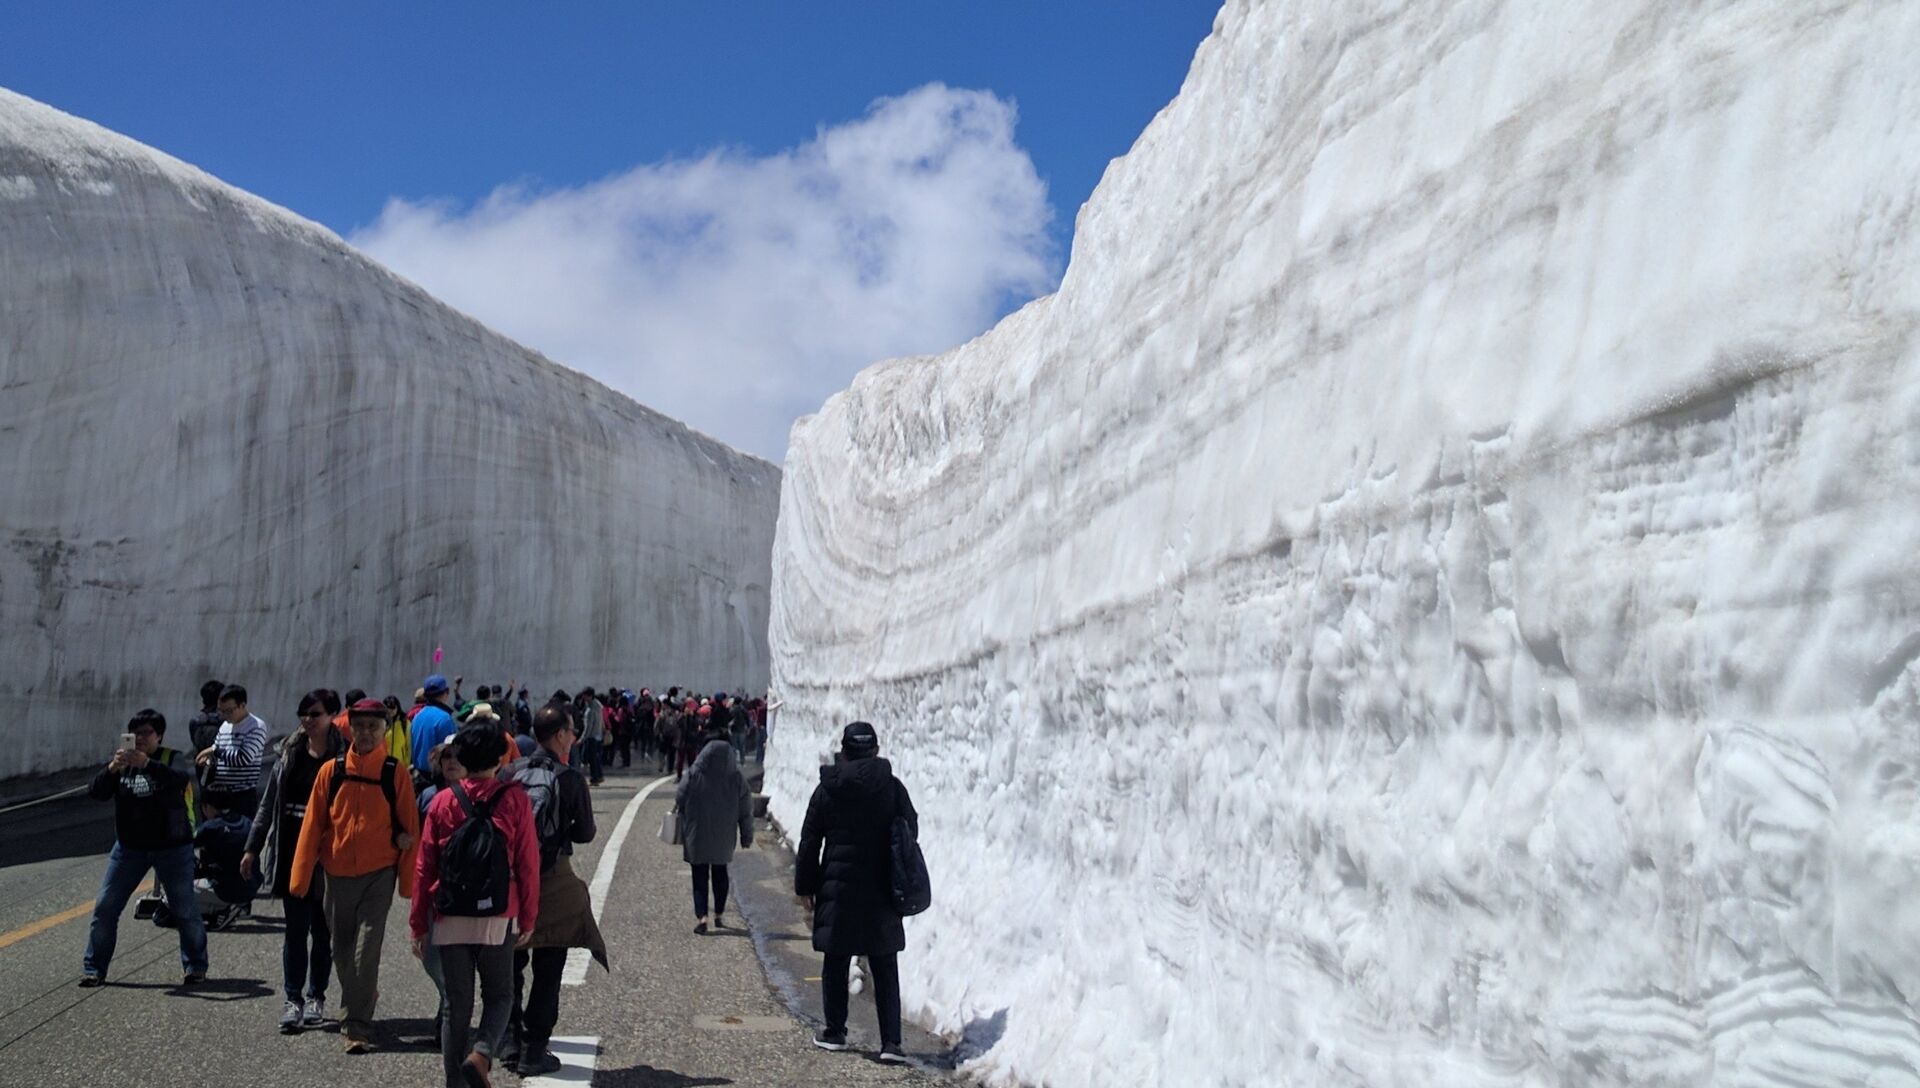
x,y
126,867
594,771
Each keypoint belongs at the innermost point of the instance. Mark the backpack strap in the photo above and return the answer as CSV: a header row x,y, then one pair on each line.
x,y
338,780
389,772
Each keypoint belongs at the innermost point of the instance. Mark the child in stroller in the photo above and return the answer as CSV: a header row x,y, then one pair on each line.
x,y
221,894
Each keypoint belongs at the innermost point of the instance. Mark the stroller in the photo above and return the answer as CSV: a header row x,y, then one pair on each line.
x,y
221,894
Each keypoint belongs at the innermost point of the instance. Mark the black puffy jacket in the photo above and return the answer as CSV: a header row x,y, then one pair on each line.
x,y
843,860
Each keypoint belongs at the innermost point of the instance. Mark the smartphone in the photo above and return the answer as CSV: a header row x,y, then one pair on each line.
x,y
127,741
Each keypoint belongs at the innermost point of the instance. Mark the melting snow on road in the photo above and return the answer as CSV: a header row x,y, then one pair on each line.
x,y
1433,599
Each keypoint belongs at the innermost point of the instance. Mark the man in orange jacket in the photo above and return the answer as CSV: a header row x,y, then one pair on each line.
x,y
361,830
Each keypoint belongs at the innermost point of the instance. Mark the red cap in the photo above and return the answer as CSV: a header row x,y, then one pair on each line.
x,y
368,706
704,712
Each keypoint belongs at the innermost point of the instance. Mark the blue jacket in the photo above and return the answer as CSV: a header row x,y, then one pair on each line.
x,y
431,728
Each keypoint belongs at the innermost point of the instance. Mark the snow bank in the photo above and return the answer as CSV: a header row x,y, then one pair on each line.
x,y
232,446
1432,600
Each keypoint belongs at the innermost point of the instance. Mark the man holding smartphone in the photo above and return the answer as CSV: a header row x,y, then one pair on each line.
x,y
151,789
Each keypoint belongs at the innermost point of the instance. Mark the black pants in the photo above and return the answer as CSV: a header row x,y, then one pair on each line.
x,y
721,884
886,993
306,948
623,744
533,1018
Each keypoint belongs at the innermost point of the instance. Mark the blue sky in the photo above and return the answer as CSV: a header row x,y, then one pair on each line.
x,y
453,140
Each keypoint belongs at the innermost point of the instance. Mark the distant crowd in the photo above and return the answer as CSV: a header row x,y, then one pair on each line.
x,y
470,807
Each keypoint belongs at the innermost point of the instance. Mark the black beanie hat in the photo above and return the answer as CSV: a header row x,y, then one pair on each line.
x,y
858,740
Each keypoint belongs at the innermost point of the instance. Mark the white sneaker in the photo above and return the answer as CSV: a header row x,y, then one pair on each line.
x,y
316,1011
290,1018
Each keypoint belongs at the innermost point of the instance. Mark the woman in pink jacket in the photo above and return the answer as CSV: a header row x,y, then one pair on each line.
x,y
476,898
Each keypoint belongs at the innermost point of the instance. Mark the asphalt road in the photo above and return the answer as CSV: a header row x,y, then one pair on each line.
x,y
677,1010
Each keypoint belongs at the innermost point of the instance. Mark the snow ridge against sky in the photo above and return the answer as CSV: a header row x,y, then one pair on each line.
x,y
737,292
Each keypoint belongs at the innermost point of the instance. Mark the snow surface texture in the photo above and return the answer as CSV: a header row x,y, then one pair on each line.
x,y
1432,600
232,446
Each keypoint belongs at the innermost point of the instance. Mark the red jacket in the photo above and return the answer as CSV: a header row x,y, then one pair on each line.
x,y
513,815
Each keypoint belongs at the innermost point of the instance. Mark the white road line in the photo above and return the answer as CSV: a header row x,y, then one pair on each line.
x,y
602,883
577,1053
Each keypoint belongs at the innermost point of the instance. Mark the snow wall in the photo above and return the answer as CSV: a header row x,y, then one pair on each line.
x,y
1433,598
233,447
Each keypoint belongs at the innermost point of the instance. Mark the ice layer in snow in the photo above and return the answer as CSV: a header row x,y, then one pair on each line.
x,y
1433,599
231,446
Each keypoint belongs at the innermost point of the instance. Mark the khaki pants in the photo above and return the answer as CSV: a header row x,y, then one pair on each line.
x,y
357,909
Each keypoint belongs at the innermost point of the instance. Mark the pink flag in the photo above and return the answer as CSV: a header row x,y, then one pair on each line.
x,y
436,655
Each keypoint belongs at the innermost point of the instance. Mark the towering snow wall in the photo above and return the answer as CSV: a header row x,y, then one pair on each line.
x,y
231,446
1433,599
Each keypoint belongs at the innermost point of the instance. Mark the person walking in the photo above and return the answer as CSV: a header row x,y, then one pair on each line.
x,y
477,897
361,831
446,771
151,787
715,809
306,946
693,728
562,819
432,723
232,764
399,731
593,734
841,874
205,726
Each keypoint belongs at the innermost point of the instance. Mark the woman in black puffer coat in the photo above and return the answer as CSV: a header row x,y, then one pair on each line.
x,y
843,873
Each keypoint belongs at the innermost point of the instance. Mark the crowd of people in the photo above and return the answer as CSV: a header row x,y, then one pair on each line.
x,y
470,808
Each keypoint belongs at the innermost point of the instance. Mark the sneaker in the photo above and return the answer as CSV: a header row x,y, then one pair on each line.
x,y
192,978
538,1064
719,920
315,1012
829,1039
88,982
700,926
891,1053
475,1069
290,1018
357,1046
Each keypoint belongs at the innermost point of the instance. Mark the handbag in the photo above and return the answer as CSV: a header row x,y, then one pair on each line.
x,y
670,830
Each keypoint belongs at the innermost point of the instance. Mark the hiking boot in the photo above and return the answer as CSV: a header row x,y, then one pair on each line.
x,y
88,982
829,1039
538,1063
315,1012
475,1069
290,1018
892,1054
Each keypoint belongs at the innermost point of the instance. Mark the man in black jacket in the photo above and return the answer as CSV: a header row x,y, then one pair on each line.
x,y
841,874
566,915
151,790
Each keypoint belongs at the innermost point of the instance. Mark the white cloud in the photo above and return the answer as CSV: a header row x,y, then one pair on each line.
x,y
736,292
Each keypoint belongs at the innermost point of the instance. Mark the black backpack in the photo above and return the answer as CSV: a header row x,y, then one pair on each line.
x,y
386,783
542,783
909,885
474,870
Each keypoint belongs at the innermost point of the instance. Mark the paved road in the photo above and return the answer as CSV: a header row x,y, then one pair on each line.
x,y
678,1009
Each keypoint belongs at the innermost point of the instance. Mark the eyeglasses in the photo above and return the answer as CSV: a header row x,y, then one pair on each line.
x,y
149,731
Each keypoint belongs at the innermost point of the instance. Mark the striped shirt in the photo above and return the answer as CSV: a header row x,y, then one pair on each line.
x,y
236,755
